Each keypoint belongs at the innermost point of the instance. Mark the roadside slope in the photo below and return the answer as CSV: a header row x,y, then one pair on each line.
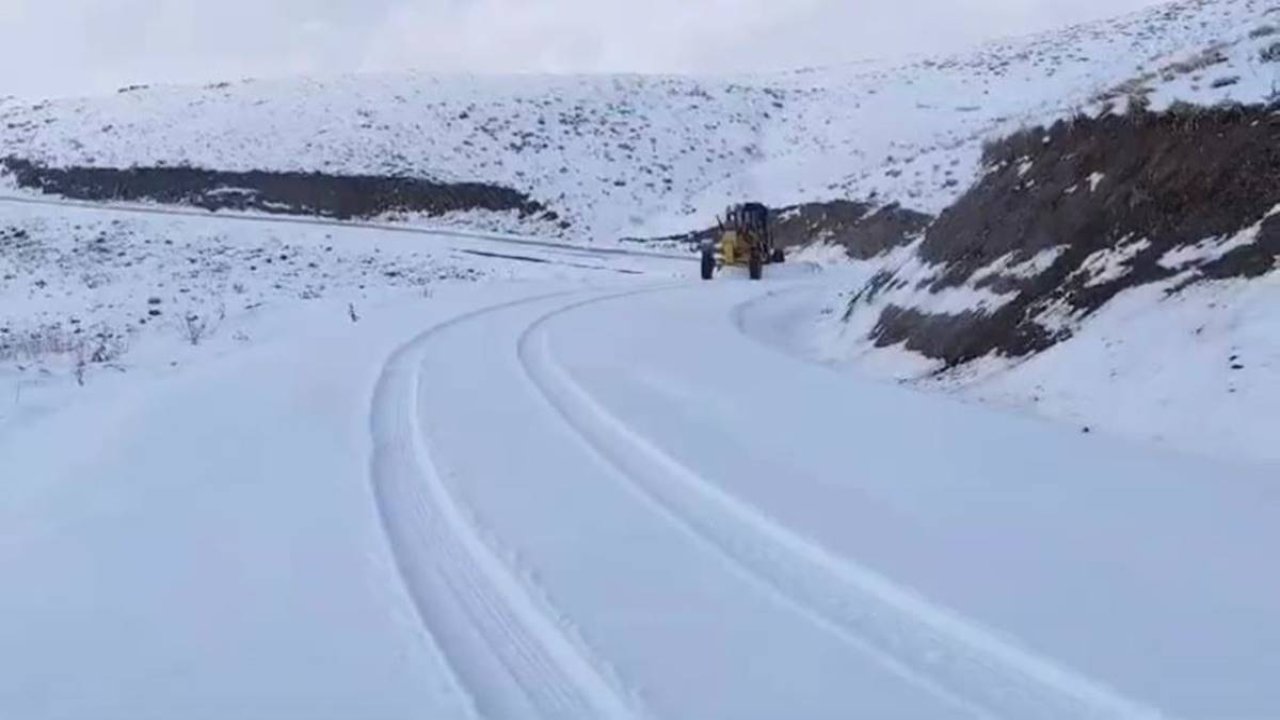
x,y
1117,272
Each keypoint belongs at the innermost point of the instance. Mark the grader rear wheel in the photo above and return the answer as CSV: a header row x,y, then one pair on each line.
x,y
755,265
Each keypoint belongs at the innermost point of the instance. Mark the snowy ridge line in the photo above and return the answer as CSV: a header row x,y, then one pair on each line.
x,y
928,645
507,654
303,220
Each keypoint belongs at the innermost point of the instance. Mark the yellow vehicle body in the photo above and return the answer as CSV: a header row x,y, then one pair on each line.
x,y
735,248
744,240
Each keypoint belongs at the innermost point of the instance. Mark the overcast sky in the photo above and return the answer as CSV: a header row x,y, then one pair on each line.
x,y
68,47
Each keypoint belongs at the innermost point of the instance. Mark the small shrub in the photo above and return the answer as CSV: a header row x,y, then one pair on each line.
x,y
107,346
1182,108
97,346
194,328
1024,142
51,340
1186,116
81,366
1270,53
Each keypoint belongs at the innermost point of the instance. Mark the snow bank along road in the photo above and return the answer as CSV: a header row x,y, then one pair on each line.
x,y
426,230
616,502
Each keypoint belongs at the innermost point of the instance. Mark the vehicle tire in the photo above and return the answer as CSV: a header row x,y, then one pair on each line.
x,y
708,264
778,256
755,265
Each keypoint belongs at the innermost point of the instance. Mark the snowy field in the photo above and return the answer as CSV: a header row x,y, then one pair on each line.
x,y
582,498
92,297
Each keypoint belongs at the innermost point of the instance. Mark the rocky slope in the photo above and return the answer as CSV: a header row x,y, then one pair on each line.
x,y
1066,218
1117,272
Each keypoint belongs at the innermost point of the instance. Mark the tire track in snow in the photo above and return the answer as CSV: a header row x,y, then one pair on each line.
x,y
505,648
920,642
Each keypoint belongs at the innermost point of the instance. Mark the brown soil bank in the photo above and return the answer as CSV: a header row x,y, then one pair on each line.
x,y
1109,198
863,229
289,193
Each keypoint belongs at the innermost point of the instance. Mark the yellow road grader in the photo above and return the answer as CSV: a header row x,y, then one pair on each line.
x,y
744,240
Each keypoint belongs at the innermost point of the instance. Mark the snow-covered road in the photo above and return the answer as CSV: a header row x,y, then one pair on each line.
x,y
622,500
434,231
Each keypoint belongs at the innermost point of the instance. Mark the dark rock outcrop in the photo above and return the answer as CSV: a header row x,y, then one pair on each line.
x,y
288,193
863,229
1137,185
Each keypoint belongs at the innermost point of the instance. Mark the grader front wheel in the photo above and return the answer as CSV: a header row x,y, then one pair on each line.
x,y
708,264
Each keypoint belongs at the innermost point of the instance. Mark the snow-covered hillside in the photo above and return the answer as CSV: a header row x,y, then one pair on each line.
x,y
657,155
93,297
1118,272
613,156
605,153
1192,372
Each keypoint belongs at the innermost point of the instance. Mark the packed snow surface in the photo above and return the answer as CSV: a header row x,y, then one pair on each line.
x,y
612,496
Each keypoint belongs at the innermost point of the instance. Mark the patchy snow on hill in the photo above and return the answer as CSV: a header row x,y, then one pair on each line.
x,y
1157,352
605,152
634,156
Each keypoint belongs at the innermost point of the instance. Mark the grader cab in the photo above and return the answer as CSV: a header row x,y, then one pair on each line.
x,y
744,240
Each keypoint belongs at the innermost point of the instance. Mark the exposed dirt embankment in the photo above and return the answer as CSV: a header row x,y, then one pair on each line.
x,y
1067,217
291,193
863,229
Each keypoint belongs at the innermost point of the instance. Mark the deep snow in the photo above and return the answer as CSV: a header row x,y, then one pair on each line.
x,y
611,498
